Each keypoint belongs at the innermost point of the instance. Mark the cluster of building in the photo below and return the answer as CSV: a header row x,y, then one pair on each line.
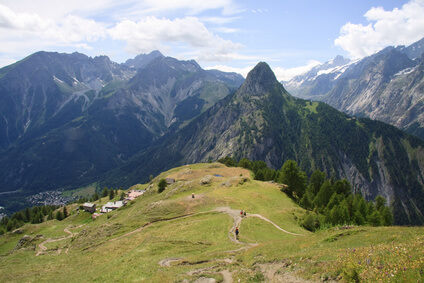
x,y
1,212
50,198
113,205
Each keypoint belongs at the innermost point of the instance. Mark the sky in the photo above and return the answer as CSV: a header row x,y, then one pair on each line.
x,y
230,35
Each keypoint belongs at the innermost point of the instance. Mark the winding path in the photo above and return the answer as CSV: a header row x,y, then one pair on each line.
x,y
276,226
237,218
235,214
43,248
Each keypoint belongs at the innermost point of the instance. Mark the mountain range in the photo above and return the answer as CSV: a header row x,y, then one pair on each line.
x,y
66,119
70,120
386,86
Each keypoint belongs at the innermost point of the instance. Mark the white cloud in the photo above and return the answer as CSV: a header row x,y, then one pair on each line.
x,y
402,26
22,21
27,26
72,29
242,71
283,74
153,33
192,7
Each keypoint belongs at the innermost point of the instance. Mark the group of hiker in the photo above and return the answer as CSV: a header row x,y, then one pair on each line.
x,y
242,214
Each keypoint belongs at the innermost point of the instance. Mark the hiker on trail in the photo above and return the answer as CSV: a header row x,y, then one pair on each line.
x,y
241,213
237,232
192,195
244,213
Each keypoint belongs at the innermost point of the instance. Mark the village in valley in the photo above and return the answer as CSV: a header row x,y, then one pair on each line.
x,y
50,198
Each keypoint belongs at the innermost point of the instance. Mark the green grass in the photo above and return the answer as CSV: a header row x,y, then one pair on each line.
x,y
128,244
87,191
312,106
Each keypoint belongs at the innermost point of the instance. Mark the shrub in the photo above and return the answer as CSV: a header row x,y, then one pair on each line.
x,y
162,185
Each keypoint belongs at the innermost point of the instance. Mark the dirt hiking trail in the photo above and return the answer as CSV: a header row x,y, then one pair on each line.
x,y
42,248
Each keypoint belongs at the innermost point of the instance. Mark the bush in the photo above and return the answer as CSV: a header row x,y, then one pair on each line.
x,y
162,185
310,222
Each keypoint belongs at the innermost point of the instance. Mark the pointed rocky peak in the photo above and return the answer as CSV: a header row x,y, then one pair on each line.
x,y
260,79
142,60
262,74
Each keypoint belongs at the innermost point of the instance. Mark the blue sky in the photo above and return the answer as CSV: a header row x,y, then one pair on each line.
x,y
231,35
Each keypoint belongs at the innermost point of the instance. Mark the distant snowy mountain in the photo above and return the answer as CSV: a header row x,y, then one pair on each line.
x,y
386,86
331,69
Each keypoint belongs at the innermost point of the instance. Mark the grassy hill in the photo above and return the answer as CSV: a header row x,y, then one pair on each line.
x,y
172,237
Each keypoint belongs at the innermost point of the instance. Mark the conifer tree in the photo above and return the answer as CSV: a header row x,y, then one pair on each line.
x,y
375,218
294,178
358,219
386,216
95,196
28,214
105,192
65,212
344,212
380,202
50,216
315,182
59,215
111,194
324,195
162,185
306,202
245,163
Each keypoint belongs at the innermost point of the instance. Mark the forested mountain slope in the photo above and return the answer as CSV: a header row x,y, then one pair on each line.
x,y
262,121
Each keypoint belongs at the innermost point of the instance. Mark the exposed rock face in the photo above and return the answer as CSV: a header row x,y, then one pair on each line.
x,y
387,86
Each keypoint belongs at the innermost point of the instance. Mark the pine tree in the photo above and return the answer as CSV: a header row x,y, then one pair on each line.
x,y
334,200
294,178
96,196
306,202
122,196
324,195
45,210
358,219
105,192
59,215
162,185
111,194
344,212
65,212
375,219
380,202
336,216
245,163
386,216
315,182
10,226
343,187
27,214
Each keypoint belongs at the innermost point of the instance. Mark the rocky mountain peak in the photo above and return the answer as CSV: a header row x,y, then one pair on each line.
x,y
142,60
259,80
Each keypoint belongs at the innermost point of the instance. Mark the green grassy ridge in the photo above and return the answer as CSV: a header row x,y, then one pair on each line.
x,y
128,244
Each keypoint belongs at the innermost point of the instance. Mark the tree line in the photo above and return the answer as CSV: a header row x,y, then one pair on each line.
x,y
34,215
111,193
328,202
